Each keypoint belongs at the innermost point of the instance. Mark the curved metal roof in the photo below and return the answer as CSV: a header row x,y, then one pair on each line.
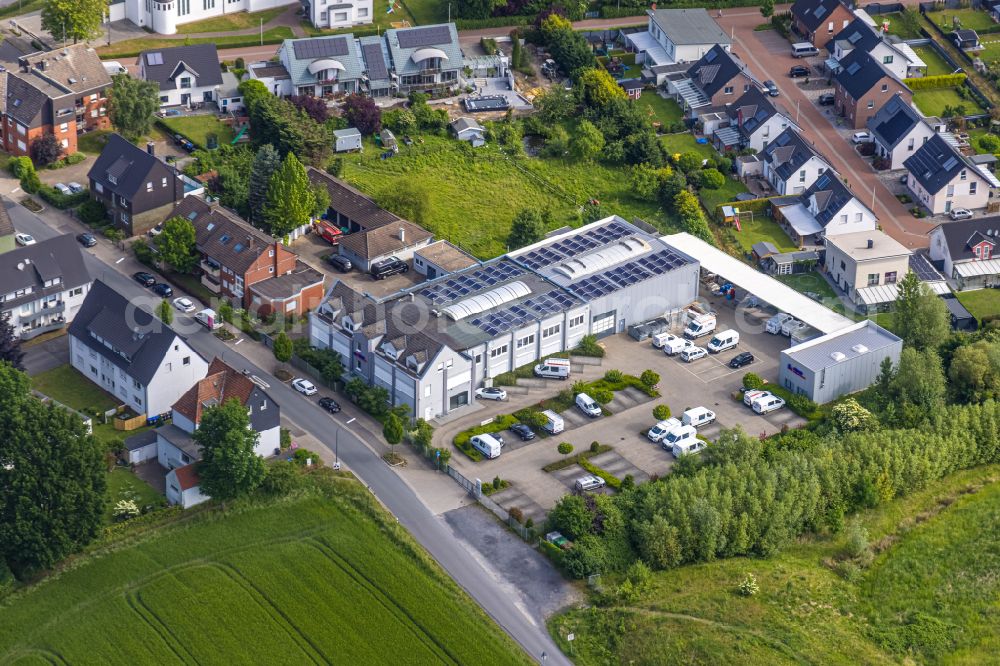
x,y
426,54
622,250
325,64
487,300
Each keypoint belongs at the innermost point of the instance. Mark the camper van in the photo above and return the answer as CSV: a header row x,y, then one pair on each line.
x,y
208,319
723,341
588,405
487,445
697,417
660,430
767,403
554,425
803,50
775,323
680,435
553,368
670,343
699,326
688,446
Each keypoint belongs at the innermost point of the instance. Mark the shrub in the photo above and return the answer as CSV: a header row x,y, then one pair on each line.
x,y
661,412
614,376
752,381
711,179
748,586
603,396
505,379
301,456
802,405
281,478
990,143
126,509
595,447
92,212
932,82
649,378
610,479
857,540
516,514
565,448
628,483
588,347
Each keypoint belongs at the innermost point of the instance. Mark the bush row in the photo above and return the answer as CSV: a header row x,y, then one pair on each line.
x,y
609,478
934,82
461,440
569,461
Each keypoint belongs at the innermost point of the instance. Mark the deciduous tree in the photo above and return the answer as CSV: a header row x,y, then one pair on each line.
x,y
363,113
922,318
132,105
51,479
767,8
176,244
290,197
588,142
392,430
313,107
409,200
73,19
526,229
46,149
598,88
10,344
229,467
165,312
283,347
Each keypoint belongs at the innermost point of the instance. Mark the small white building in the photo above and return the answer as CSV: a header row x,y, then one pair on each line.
x,y
346,140
229,98
338,13
867,265
184,487
676,36
274,76
467,129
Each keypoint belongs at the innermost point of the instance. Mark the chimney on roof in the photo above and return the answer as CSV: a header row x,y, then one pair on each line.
x,y
402,235
151,148
871,243
43,64
250,241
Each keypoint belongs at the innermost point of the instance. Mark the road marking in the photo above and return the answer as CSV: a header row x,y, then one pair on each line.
x,y
120,260
16,189
238,342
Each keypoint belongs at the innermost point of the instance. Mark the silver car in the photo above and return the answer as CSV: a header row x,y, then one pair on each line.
x,y
589,482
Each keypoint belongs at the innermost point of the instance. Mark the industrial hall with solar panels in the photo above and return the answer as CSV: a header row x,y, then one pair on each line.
x,y
433,344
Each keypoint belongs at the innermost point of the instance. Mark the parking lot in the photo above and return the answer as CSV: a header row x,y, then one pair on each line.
x,y
707,382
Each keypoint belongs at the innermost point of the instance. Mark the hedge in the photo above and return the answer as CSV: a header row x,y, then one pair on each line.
x,y
495,22
563,463
609,478
934,82
60,200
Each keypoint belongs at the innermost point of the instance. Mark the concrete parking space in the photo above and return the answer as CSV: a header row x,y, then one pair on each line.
x,y
618,466
514,498
312,249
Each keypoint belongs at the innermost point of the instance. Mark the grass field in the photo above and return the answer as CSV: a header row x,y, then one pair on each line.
x,y
232,21
309,579
65,384
123,484
133,47
198,128
932,102
936,65
712,198
475,193
980,302
423,12
685,142
762,228
813,283
929,596
662,110
971,19
898,27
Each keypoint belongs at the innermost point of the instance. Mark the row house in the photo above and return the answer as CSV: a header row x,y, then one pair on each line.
x,y
863,86
967,252
942,179
818,21
791,164
897,131
754,121
825,209
894,54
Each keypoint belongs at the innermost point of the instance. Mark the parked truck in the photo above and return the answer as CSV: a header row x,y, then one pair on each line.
x,y
700,325
328,232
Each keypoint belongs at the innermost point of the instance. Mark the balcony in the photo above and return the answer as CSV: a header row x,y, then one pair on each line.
x,y
211,283
29,332
210,268
46,310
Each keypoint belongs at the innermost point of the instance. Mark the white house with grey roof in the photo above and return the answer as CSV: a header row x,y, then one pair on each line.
x,y
898,131
432,345
165,17
754,121
186,75
338,13
42,286
426,58
676,36
323,66
839,363
790,164
130,354
941,178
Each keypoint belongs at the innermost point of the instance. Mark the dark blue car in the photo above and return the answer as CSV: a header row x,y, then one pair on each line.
x,y
162,290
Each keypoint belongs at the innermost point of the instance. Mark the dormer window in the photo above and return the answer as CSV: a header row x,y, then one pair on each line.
x,y
348,324
112,179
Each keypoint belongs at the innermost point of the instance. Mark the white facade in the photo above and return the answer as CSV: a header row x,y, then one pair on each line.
x,y
185,497
46,313
853,265
968,189
918,135
767,132
340,13
800,180
180,367
853,217
165,17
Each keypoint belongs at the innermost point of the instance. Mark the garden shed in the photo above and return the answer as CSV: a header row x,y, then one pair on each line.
x,y
346,140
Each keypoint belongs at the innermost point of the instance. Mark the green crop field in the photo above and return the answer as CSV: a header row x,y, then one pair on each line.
x,y
475,193
319,577
928,595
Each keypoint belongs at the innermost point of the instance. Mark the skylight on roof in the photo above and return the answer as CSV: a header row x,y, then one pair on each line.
x,y
193,214
238,247
17,103
154,58
950,164
711,55
853,69
225,238
820,11
854,38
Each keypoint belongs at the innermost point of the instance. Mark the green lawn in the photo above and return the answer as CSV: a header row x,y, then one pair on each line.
x,y
198,128
762,228
712,198
980,302
898,27
811,283
232,21
991,49
423,12
972,19
928,597
92,142
20,8
124,485
685,142
936,65
664,111
133,47
320,577
932,102
67,385
475,193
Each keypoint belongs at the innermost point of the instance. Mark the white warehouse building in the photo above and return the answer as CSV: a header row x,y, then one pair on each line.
x,y
432,345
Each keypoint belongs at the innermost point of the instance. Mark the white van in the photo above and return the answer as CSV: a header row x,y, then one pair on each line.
x,y
723,341
671,344
553,368
768,403
487,445
688,446
750,396
588,405
699,326
660,430
774,324
680,435
208,319
803,50
698,417
790,325
555,424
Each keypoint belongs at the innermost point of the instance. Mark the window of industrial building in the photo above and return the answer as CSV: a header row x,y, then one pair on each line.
x,y
498,351
576,321
550,331
526,341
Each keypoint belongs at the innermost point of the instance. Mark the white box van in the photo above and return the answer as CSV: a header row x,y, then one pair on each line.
x,y
588,405
688,446
804,49
750,396
767,403
698,417
208,319
790,325
679,435
774,324
699,326
660,430
723,341
555,424
487,445
553,368
671,344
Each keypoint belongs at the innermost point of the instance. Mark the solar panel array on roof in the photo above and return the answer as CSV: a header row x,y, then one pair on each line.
x,y
154,58
574,245
710,56
375,61
853,68
628,274
320,48
416,38
466,284
923,268
525,312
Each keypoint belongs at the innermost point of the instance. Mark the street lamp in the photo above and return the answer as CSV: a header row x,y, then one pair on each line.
x,y
336,444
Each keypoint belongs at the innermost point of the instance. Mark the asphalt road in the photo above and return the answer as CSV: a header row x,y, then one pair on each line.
x,y
429,530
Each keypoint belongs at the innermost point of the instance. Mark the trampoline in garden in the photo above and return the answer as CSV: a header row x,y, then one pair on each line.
x,y
486,103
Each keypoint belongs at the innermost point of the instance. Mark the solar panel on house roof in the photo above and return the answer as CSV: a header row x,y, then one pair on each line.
x,y
711,55
375,61
416,38
950,163
320,48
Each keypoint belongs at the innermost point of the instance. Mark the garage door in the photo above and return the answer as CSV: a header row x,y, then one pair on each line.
x,y
603,325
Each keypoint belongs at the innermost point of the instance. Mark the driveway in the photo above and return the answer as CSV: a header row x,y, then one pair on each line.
x,y
46,355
